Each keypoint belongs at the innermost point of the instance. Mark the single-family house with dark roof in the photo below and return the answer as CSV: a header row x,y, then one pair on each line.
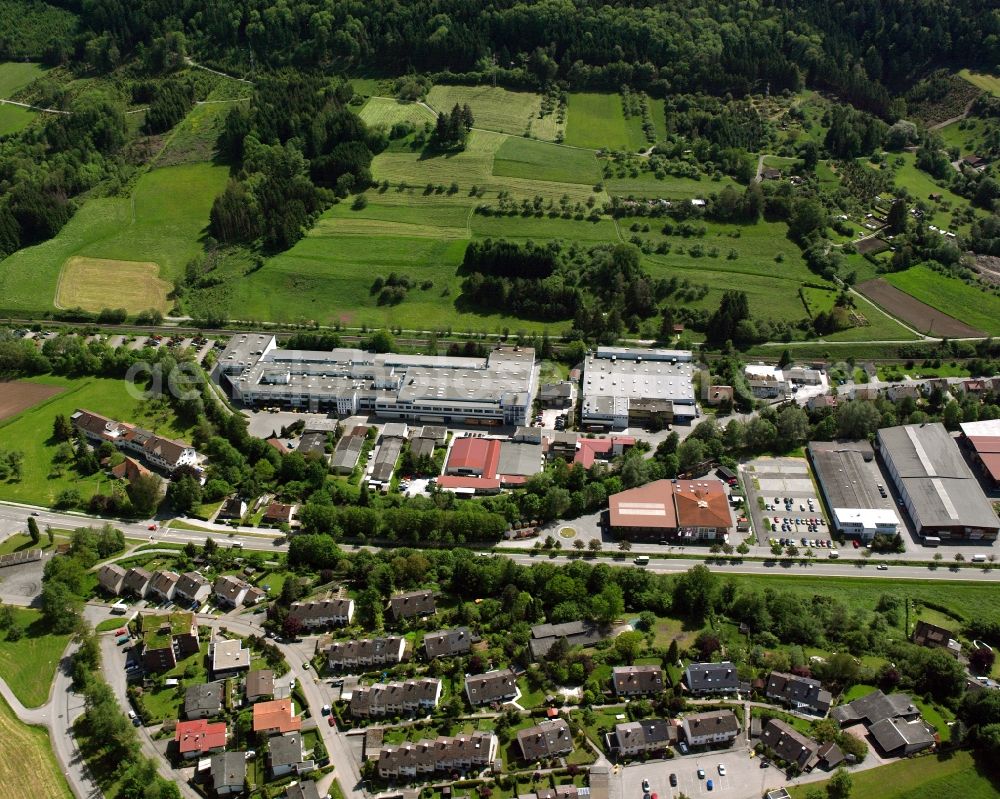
x,y
260,685
192,587
648,735
111,577
787,744
705,679
926,634
874,707
279,513
284,753
233,509
493,686
229,773
576,633
548,739
801,693
898,737
412,604
164,585
230,590
203,701
637,680
303,789
137,582
448,643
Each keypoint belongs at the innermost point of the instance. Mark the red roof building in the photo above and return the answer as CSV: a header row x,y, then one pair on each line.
x,y
474,457
275,717
672,509
986,455
129,469
198,737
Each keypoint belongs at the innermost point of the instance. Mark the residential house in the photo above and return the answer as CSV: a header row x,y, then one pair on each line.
x,y
787,744
865,393
448,643
897,737
926,634
279,513
137,582
232,510
230,591
462,753
163,453
899,392
193,588
111,577
801,693
548,739
229,658
203,701
633,738
304,789
375,652
821,402
770,173
164,585
713,727
707,679
557,395
491,687
129,469
322,613
396,698
199,738
715,395
412,604
576,633
769,387
284,753
229,773
637,680
275,717
875,707
254,596
259,685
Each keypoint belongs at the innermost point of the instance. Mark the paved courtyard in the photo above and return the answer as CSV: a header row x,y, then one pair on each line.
x,y
744,777
785,487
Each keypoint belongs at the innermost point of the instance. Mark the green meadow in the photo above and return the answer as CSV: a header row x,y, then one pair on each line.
x,y
161,222
535,160
596,121
15,75
386,112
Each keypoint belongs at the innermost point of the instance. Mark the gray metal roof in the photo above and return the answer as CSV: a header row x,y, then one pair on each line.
x,y
520,458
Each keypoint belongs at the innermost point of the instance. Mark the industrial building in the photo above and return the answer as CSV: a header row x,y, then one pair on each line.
x,y
635,387
982,439
495,390
850,478
939,491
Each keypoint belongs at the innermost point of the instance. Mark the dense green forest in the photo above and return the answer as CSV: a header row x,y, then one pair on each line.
x,y
860,48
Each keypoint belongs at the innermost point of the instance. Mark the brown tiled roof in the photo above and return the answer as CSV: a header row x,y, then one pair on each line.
x,y
548,739
413,603
637,679
702,503
491,686
444,643
260,682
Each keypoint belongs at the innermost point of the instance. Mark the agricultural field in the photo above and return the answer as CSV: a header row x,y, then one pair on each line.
x,y
596,121
975,307
901,302
646,184
18,396
499,110
28,665
28,766
161,223
194,138
535,160
988,83
386,112
29,432
88,283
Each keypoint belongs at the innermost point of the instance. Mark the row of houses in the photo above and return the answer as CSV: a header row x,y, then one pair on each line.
x,y
191,587
396,698
794,691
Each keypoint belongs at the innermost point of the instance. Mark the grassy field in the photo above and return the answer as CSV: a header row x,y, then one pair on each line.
x,y
29,664
646,184
496,109
89,282
968,599
947,776
29,432
951,296
14,119
963,134
595,121
28,766
535,160
15,75
921,185
161,223
194,138
988,83
880,327
386,112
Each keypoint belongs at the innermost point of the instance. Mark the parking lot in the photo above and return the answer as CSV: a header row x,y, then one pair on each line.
x,y
791,508
743,778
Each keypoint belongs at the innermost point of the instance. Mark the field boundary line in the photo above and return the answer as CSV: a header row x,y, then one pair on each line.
x,y
899,322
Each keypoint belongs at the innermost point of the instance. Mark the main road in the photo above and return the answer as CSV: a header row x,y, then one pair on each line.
x,y
14,518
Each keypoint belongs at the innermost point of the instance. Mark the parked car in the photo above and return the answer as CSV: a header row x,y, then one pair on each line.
x,y
709,785
331,721
882,567
722,769
673,780
701,774
645,786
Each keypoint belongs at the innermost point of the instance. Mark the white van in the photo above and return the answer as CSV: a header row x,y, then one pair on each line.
x,y
833,554
979,559
642,560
